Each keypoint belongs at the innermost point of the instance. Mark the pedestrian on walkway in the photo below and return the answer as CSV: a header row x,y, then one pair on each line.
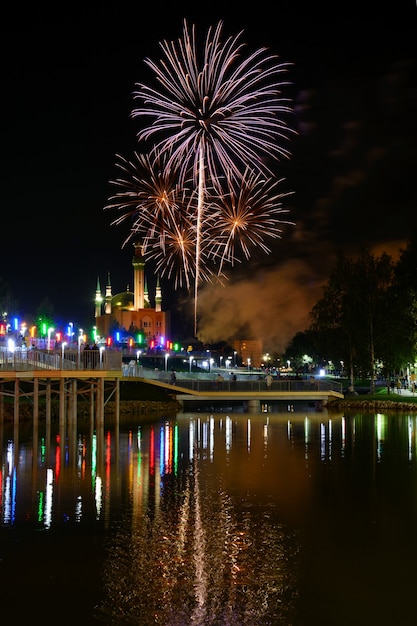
x,y
219,382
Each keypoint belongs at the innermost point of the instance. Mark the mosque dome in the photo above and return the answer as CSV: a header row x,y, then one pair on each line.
x,y
124,300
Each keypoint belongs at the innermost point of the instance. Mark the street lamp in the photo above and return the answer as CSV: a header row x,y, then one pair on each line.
x,y
102,348
50,330
191,362
64,343
221,359
166,361
80,338
234,355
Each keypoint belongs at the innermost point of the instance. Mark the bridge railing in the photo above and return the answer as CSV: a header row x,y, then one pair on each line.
x,y
22,360
208,382
253,385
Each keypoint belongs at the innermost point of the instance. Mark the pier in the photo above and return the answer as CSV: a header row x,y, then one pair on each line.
x,y
32,375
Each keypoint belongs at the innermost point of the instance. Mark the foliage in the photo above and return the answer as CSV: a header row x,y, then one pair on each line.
x,y
303,344
366,315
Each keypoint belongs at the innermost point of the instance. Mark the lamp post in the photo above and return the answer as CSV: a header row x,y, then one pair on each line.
x,y
80,338
191,362
64,343
234,356
166,361
50,330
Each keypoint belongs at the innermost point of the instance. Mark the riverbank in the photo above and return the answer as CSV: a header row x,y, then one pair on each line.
x,y
405,401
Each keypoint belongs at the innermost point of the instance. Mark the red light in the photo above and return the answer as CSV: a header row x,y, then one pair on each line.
x,y
109,341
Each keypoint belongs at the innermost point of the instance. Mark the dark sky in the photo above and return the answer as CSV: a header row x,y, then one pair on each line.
x,y
67,84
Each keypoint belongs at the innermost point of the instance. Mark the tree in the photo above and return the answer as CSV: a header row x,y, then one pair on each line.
x,y
303,344
351,317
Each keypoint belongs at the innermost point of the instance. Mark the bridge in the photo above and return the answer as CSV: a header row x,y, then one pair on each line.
x,y
250,389
69,375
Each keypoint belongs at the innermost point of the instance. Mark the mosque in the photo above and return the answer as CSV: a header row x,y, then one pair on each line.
x,y
131,312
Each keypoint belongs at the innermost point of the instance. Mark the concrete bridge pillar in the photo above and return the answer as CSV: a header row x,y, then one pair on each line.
x,y
254,406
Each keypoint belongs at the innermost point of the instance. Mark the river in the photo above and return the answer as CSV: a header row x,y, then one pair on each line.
x,y
286,518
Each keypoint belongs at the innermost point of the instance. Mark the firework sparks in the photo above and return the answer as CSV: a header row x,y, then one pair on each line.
x,y
226,109
163,215
212,118
248,214
148,196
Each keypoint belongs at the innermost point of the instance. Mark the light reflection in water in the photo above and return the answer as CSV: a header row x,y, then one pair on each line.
x,y
202,525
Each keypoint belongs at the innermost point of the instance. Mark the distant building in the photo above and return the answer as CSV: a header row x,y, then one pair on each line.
x,y
249,349
132,309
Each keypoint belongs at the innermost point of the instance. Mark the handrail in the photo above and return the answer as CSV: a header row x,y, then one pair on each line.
x,y
23,360
252,382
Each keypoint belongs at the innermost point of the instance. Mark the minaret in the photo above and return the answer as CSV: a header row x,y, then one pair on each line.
x,y
158,296
107,305
146,294
138,277
98,299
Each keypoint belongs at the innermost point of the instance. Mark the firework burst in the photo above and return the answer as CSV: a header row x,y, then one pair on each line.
x,y
213,117
225,109
248,214
148,197
163,215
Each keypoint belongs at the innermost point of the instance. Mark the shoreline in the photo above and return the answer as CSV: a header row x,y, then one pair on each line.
x,y
356,403
152,407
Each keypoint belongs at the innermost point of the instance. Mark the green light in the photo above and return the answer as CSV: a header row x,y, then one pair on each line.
x,y
176,447
43,450
40,506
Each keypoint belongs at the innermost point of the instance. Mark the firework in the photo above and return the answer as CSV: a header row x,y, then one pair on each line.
x,y
248,213
212,118
148,196
163,215
225,110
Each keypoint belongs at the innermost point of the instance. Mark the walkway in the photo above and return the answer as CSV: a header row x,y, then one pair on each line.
x,y
251,391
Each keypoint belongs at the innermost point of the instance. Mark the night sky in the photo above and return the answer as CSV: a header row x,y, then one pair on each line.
x,y
67,85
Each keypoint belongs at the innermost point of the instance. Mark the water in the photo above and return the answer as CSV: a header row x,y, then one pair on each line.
x,y
280,519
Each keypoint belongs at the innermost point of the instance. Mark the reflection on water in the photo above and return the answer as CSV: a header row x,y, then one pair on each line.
x,y
221,519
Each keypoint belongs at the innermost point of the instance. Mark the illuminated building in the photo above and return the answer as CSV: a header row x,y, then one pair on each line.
x,y
132,309
250,351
